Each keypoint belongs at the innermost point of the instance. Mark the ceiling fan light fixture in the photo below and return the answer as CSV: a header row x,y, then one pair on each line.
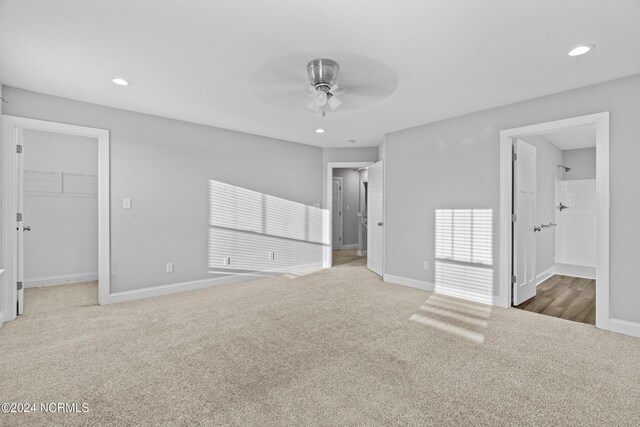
x,y
321,98
323,80
334,102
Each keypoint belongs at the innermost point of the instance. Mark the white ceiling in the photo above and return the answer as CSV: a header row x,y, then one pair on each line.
x,y
193,60
573,139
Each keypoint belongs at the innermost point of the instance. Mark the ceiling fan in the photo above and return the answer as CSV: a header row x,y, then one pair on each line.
x,y
281,82
323,85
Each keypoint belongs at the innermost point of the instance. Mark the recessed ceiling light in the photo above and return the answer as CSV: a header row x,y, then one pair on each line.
x,y
120,82
581,50
319,130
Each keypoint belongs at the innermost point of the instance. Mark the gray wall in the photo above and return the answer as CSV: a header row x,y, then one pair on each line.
x,y
548,158
1,236
63,240
165,166
350,204
582,163
455,164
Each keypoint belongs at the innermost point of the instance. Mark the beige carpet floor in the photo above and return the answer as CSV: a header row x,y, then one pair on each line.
x,y
57,298
336,347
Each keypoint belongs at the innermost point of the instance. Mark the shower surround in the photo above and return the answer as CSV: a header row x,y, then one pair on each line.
x,y
576,235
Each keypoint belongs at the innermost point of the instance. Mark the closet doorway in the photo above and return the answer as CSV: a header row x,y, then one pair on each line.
x,y
56,216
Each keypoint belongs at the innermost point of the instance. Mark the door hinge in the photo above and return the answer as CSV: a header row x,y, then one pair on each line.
x,y
19,286
514,217
339,213
514,157
18,217
19,148
513,279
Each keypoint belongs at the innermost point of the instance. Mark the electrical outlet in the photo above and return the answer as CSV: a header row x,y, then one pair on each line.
x,y
226,260
272,256
425,265
126,203
169,268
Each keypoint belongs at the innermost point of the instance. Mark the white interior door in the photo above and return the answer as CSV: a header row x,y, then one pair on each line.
x,y
375,219
524,228
20,224
336,212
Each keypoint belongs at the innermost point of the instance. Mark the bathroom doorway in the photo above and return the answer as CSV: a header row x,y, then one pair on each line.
x,y
554,218
555,229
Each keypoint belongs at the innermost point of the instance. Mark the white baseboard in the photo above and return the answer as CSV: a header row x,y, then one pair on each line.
x,y
545,275
155,291
575,270
60,280
405,281
624,327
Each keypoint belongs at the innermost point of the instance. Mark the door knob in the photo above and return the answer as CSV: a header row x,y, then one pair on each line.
x,y
536,228
380,224
27,228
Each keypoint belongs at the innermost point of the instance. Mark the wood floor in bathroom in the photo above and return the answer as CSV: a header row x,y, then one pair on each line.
x,y
571,298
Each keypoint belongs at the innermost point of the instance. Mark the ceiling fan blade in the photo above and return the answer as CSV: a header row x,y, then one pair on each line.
x,y
308,89
313,106
338,88
334,102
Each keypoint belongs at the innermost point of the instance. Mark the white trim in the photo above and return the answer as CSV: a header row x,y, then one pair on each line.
x,y
11,128
340,203
327,256
2,310
624,327
576,271
405,281
60,280
362,253
545,275
601,123
154,291
173,288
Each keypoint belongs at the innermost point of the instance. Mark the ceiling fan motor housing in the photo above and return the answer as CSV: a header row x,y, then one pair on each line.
x,y
323,74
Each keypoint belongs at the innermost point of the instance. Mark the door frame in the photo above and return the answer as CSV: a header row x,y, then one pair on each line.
x,y
12,134
601,123
327,259
341,203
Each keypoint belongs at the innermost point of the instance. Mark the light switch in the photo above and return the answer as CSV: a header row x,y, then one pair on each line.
x,y
126,203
